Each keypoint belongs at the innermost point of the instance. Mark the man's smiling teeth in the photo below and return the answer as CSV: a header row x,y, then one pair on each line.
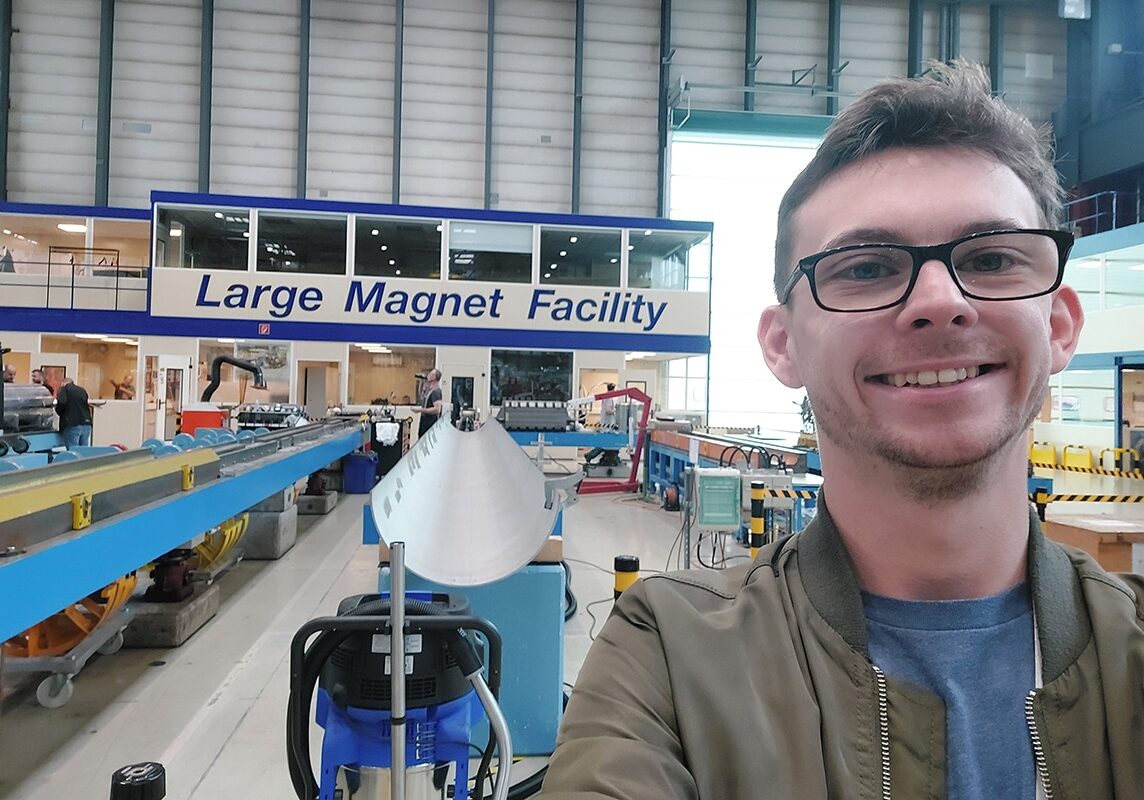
x,y
943,377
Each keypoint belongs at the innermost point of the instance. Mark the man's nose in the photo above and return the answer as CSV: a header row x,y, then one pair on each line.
x,y
936,300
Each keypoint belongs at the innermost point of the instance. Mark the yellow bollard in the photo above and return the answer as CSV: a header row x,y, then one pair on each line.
x,y
757,531
627,569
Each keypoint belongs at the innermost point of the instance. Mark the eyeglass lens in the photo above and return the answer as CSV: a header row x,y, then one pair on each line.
x,y
997,267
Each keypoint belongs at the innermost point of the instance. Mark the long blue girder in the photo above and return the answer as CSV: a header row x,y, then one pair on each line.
x,y
60,571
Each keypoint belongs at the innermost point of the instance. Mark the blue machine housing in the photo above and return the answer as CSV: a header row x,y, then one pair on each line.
x,y
357,737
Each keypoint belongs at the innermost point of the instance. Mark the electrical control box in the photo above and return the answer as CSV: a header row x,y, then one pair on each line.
x,y
718,498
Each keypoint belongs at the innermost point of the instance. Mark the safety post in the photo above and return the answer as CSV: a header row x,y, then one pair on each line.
x,y
757,528
627,569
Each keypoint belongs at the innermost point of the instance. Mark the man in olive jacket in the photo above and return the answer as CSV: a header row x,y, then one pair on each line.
x,y
921,638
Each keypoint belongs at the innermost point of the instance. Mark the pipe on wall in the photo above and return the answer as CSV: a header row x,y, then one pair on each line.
x,y
303,97
578,107
490,52
398,63
206,91
103,104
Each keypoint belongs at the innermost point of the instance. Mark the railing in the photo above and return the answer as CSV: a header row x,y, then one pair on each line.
x,y
66,280
1103,211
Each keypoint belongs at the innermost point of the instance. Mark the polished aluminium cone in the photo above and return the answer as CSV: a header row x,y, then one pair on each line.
x,y
470,506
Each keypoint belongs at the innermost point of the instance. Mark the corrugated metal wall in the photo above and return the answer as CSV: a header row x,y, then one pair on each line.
x,y
52,116
154,112
254,134
443,103
349,154
535,59
621,90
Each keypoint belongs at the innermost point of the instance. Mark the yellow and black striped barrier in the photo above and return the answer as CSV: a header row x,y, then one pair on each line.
x,y
1115,473
788,494
1041,498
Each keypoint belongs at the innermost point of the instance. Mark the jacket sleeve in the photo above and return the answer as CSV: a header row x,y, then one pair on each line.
x,y
619,738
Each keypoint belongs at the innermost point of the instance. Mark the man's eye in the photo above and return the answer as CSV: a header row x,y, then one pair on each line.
x,y
987,262
865,271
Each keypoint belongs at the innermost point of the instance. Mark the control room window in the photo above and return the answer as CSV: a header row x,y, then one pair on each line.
x,y
490,251
202,238
304,243
387,375
583,257
531,375
667,259
397,248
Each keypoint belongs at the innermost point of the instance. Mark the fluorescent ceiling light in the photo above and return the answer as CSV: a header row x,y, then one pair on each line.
x,y
91,336
1137,268
72,227
176,232
227,341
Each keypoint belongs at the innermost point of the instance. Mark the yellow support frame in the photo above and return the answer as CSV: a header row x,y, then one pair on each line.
x,y
52,491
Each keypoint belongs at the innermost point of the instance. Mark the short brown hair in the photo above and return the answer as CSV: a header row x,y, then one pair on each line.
x,y
951,105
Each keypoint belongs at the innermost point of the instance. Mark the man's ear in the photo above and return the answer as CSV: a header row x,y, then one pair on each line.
x,y
1066,318
777,346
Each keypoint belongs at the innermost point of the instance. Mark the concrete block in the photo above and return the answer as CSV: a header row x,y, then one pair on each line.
x,y
317,503
270,534
279,501
171,624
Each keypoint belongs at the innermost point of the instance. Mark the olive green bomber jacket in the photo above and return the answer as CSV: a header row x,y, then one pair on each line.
x,y
755,683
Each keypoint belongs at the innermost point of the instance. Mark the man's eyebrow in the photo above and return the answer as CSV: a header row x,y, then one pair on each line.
x,y
889,236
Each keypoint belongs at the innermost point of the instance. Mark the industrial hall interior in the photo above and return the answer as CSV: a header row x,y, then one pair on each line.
x,y
480,322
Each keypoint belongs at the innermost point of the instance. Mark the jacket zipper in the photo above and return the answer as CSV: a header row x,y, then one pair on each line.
x,y
884,729
1038,747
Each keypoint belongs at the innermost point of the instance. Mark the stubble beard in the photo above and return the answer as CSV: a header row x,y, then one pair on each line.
x,y
921,474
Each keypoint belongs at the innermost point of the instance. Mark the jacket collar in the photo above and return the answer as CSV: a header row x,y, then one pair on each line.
x,y
831,585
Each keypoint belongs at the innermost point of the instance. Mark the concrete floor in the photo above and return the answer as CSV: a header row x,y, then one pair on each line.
x,y
212,711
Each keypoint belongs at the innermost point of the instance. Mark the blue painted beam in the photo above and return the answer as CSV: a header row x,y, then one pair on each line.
x,y
37,585
206,89
5,86
103,102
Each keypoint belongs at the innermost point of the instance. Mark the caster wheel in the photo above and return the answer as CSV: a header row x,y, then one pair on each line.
x,y
112,645
55,690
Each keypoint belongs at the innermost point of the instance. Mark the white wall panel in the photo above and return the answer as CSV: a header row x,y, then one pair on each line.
x,y
975,33
350,147
621,90
791,36
154,100
443,103
534,62
709,38
53,100
1030,31
255,101
875,40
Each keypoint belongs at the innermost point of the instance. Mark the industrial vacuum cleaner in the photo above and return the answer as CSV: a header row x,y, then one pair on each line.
x,y
390,733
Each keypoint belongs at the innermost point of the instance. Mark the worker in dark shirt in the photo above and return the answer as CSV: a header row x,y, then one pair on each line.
x,y
434,402
73,406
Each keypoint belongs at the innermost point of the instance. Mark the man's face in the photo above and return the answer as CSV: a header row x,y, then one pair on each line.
x,y
848,362
37,377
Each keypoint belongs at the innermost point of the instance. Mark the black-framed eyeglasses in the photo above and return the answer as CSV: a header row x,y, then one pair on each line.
x,y
993,265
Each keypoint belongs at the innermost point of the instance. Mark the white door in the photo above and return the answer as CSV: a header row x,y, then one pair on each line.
x,y
166,387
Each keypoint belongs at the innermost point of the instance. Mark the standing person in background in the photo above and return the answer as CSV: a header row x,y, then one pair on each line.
x,y
9,373
6,261
38,380
72,405
433,404
125,390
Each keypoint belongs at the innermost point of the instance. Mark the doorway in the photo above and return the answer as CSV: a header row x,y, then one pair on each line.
x,y
318,387
166,384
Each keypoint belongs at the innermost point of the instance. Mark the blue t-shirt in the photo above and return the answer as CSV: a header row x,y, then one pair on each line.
x,y
977,655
